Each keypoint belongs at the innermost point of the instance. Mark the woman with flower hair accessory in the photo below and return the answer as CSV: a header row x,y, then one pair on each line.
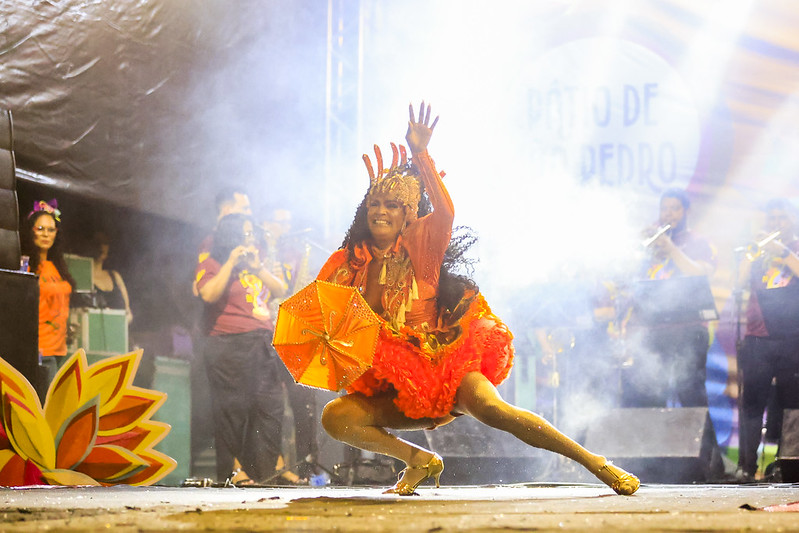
x,y
42,242
441,351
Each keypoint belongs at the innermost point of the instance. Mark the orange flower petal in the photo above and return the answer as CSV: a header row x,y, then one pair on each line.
x,y
132,408
12,471
128,440
106,463
76,437
140,438
159,466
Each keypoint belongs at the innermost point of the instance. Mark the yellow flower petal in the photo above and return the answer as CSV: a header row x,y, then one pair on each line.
x,y
11,379
67,478
64,394
111,377
28,432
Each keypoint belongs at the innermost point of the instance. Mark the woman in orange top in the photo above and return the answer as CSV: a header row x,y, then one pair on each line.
x,y
41,242
441,350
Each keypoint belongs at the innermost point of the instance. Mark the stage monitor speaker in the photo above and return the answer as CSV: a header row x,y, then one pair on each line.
x,y
659,445
482,454
6,130
788,451
9,249
19,322
789,439
8,174
9,209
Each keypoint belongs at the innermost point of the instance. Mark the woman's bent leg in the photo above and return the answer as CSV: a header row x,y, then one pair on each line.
x,y
478,398
360,421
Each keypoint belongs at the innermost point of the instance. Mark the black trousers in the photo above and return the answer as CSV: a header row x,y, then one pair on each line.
x,y
668,363
764,359
244,375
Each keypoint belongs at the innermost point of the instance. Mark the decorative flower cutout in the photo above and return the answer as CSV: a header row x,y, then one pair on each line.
x,y
94,429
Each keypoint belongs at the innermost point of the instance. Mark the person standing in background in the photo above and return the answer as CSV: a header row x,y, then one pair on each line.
x,y
672,365
766,355
108,284
229,201
242,367
42,242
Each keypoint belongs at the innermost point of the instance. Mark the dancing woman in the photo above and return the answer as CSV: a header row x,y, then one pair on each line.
x,y
441,351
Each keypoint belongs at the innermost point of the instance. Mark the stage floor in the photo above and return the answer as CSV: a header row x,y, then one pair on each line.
x,y
561,507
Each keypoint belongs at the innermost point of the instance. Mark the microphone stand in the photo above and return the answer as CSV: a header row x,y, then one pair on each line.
x,y
737,295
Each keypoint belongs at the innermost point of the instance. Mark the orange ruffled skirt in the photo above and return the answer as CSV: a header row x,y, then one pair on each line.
x,y
425,379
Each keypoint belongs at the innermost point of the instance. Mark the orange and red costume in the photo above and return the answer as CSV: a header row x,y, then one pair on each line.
x,y
424,352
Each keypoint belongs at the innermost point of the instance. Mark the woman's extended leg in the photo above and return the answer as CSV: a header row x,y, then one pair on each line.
x,y
360,421
478,398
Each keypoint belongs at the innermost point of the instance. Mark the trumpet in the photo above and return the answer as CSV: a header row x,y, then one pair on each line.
x,y
661,230
755,249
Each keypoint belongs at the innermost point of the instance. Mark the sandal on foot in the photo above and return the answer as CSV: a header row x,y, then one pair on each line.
x,y
433,469
618,479
238,478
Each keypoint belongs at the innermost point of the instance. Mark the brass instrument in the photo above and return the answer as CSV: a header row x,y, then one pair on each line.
x,y
303,276
661,230
296,279
755,249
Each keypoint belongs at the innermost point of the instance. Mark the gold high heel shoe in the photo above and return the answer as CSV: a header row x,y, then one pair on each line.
x,y
434,468
616,478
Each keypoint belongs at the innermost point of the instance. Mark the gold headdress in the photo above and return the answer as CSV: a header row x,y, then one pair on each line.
x,y
400,178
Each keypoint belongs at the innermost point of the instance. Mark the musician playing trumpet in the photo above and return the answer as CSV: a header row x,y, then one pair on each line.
x,y
675,248
770,264
670,364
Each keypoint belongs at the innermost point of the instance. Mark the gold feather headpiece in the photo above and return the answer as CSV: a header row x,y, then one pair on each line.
x,y
399,179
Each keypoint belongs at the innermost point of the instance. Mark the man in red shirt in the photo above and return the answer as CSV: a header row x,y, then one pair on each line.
x,y
769,354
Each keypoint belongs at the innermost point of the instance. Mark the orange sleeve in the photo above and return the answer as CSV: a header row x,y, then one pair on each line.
x,y
427,239
332,264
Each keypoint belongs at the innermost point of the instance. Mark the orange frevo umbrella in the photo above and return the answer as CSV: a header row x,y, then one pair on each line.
x,y
326,335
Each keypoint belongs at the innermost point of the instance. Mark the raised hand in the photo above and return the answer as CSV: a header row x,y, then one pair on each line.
x,y
419,132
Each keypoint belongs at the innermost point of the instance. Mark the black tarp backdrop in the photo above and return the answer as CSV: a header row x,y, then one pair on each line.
x,y
151,104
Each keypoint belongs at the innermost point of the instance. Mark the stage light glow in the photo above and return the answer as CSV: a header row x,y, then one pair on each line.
x,y
709,52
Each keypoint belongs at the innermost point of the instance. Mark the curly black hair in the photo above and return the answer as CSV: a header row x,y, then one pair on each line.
x,y
456,269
